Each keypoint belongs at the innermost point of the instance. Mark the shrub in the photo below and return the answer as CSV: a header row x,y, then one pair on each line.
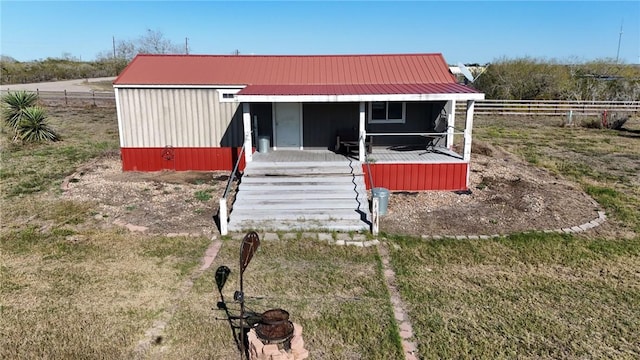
x,y
27,121
33,126
13,105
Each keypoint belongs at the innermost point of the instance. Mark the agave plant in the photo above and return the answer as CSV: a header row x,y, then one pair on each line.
x,y
13,106
33,126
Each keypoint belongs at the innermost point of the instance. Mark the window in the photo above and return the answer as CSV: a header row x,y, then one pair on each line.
x,y
387,112
227,95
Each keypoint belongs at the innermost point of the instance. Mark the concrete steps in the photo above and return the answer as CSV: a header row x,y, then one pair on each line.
x,y
290,196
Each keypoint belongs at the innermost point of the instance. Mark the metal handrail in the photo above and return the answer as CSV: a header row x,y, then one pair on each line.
x,y
233,174
222,212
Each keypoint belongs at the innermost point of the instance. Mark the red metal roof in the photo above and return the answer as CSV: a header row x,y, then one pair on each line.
x,y
391,70
360,89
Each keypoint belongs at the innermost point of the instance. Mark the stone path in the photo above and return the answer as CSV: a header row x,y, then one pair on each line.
x,y
400,314
154,334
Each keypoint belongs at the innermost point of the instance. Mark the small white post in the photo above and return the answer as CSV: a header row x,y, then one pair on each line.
x,y
362,134
451,122
246,123
223,216
375,216
468,130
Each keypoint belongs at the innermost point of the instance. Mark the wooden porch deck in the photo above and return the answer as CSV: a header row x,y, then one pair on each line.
x,y
379,155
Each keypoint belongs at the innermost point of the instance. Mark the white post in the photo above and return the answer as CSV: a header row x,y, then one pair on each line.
x,y
375,216
451,122
246,123
362,134
223,216
468,129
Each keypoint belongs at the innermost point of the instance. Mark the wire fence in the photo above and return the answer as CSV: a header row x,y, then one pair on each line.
x,y
482,107
67,98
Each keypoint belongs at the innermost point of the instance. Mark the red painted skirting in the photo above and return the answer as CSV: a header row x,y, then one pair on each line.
x,y
414,177
179,159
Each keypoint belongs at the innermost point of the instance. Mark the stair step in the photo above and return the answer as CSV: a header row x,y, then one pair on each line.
x,y
295,215
311,194
274,204
301,172
349,178
304,164
343,226
298,186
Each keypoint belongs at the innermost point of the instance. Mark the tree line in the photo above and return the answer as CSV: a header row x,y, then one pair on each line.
x,y
108,62
537,79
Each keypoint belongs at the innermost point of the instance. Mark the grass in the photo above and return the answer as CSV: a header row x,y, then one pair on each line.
x,y
335,293
537,295
86,134
524,296
86,294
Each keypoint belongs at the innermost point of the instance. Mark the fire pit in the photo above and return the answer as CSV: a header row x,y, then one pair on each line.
x,y
263,336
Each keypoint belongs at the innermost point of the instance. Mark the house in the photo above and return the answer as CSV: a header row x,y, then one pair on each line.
x,y
193,112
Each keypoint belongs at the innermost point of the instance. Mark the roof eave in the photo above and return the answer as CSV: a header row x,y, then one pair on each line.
x,y
358,98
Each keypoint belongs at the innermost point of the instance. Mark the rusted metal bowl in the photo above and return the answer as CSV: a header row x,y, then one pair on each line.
x,y
275,334
274,317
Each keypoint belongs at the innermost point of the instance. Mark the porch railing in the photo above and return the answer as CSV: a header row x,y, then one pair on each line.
x,y
223,214
422,134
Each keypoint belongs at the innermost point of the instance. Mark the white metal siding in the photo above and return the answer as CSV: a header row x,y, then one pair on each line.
x,y
177,117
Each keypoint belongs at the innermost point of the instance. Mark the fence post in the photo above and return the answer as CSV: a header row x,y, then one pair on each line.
x,y
375,215
222,215
93,93
65,97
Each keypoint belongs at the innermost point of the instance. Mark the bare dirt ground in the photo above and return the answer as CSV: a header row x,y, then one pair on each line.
x,y
507,195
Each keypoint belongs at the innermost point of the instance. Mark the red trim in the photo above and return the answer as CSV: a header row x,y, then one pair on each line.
x,y
179,159
415,177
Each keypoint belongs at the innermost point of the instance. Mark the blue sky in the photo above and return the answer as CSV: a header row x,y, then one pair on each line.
x,y
463,31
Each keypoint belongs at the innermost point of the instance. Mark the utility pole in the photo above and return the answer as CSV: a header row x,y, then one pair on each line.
x,y
113,38
619,40
186,45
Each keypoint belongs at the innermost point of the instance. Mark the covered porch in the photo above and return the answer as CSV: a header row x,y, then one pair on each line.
x,y
408,141
379,155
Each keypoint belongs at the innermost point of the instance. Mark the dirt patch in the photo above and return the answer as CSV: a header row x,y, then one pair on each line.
x,y
164,202
507,195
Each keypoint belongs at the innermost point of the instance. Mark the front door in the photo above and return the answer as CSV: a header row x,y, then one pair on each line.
x,y
288,123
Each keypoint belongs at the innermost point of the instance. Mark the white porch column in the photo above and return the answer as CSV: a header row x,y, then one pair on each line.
x,y
362,135
450,108
246,123
468,128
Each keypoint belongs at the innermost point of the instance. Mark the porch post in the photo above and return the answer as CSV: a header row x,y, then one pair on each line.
x,y
246,123
451,121
363,135
467,136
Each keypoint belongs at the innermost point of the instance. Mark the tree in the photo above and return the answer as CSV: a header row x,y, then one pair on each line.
x,y
152,42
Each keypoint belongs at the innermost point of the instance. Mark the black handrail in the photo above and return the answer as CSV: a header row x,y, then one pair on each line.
x,y
233,174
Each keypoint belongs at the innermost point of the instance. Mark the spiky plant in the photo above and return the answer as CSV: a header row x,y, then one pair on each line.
x,y
33,126
13,105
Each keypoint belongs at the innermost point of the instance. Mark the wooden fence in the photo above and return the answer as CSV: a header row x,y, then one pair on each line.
x,y
549,107
483,107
